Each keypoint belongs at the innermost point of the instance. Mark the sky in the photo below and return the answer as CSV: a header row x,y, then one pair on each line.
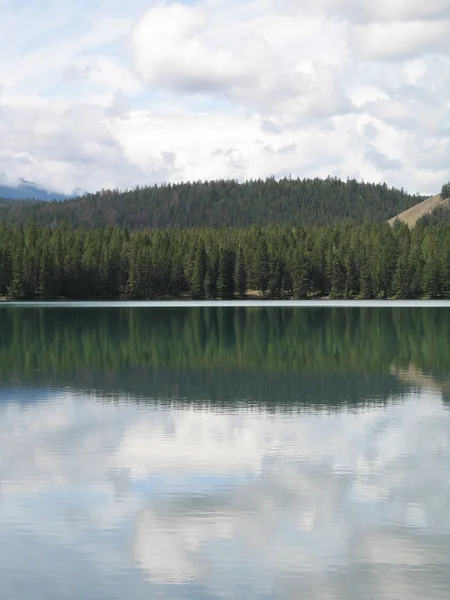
x,y
104,93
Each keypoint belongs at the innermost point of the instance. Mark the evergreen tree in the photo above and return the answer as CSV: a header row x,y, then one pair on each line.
x,y
16,289
416,262
433,284
225,274
5,267
275,277
300,274
352,282
366,281
48,286
199,273
402,284
147,273
338,278
211,282
136,283
260,266
240,274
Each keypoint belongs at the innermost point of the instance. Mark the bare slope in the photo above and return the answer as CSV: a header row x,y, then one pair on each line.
x,y
413,214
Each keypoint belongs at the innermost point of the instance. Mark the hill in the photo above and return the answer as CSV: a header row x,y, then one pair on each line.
x,y
413,214
221,203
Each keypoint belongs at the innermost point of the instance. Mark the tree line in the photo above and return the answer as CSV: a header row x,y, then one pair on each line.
x,y
221,203
368,261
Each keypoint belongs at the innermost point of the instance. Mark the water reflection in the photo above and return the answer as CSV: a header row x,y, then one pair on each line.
x,y
326,356
302,455
226,504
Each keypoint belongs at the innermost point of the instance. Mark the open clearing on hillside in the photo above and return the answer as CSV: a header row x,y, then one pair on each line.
x,y
413,214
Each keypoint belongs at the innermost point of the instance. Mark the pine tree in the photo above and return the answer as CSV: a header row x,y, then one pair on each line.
x,y
402,283
5,268
16,290
260,266
352,282
385,256
211,282
147,272
177,284
48,286
225,275
197,283
318,265
337,276
300,274
365,276
240,274
135,284
416,262
433,283
275,277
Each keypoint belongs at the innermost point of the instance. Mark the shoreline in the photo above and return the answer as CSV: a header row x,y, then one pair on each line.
x,y
316,303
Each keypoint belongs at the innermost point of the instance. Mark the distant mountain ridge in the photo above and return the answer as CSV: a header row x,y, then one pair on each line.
x,y
221,203
28,190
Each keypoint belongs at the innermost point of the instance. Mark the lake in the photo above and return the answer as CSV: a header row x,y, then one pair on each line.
x,y
205,452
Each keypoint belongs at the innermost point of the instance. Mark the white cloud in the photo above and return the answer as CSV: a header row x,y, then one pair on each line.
x,y
400,40
101,97
258,61
382,10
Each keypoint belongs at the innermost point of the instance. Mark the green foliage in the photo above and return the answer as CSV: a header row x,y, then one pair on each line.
x,y
240,274
222,203
300,274
368,261
225,274
439,216
199,274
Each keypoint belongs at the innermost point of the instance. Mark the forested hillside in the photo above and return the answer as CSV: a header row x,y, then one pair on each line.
x,y
221,203
343,261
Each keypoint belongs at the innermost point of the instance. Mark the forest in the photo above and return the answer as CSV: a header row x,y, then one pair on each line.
x,y
222,203
372,260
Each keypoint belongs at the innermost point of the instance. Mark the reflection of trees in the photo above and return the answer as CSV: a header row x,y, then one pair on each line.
x,y
271,354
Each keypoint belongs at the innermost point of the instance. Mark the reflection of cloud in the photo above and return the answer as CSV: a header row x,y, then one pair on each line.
x,y
244,502
191,441
166,550
261,525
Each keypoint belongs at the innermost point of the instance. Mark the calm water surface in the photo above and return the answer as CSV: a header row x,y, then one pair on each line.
x,y
204,453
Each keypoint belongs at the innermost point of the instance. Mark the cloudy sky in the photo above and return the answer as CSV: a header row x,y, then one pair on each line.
x,y
106,93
